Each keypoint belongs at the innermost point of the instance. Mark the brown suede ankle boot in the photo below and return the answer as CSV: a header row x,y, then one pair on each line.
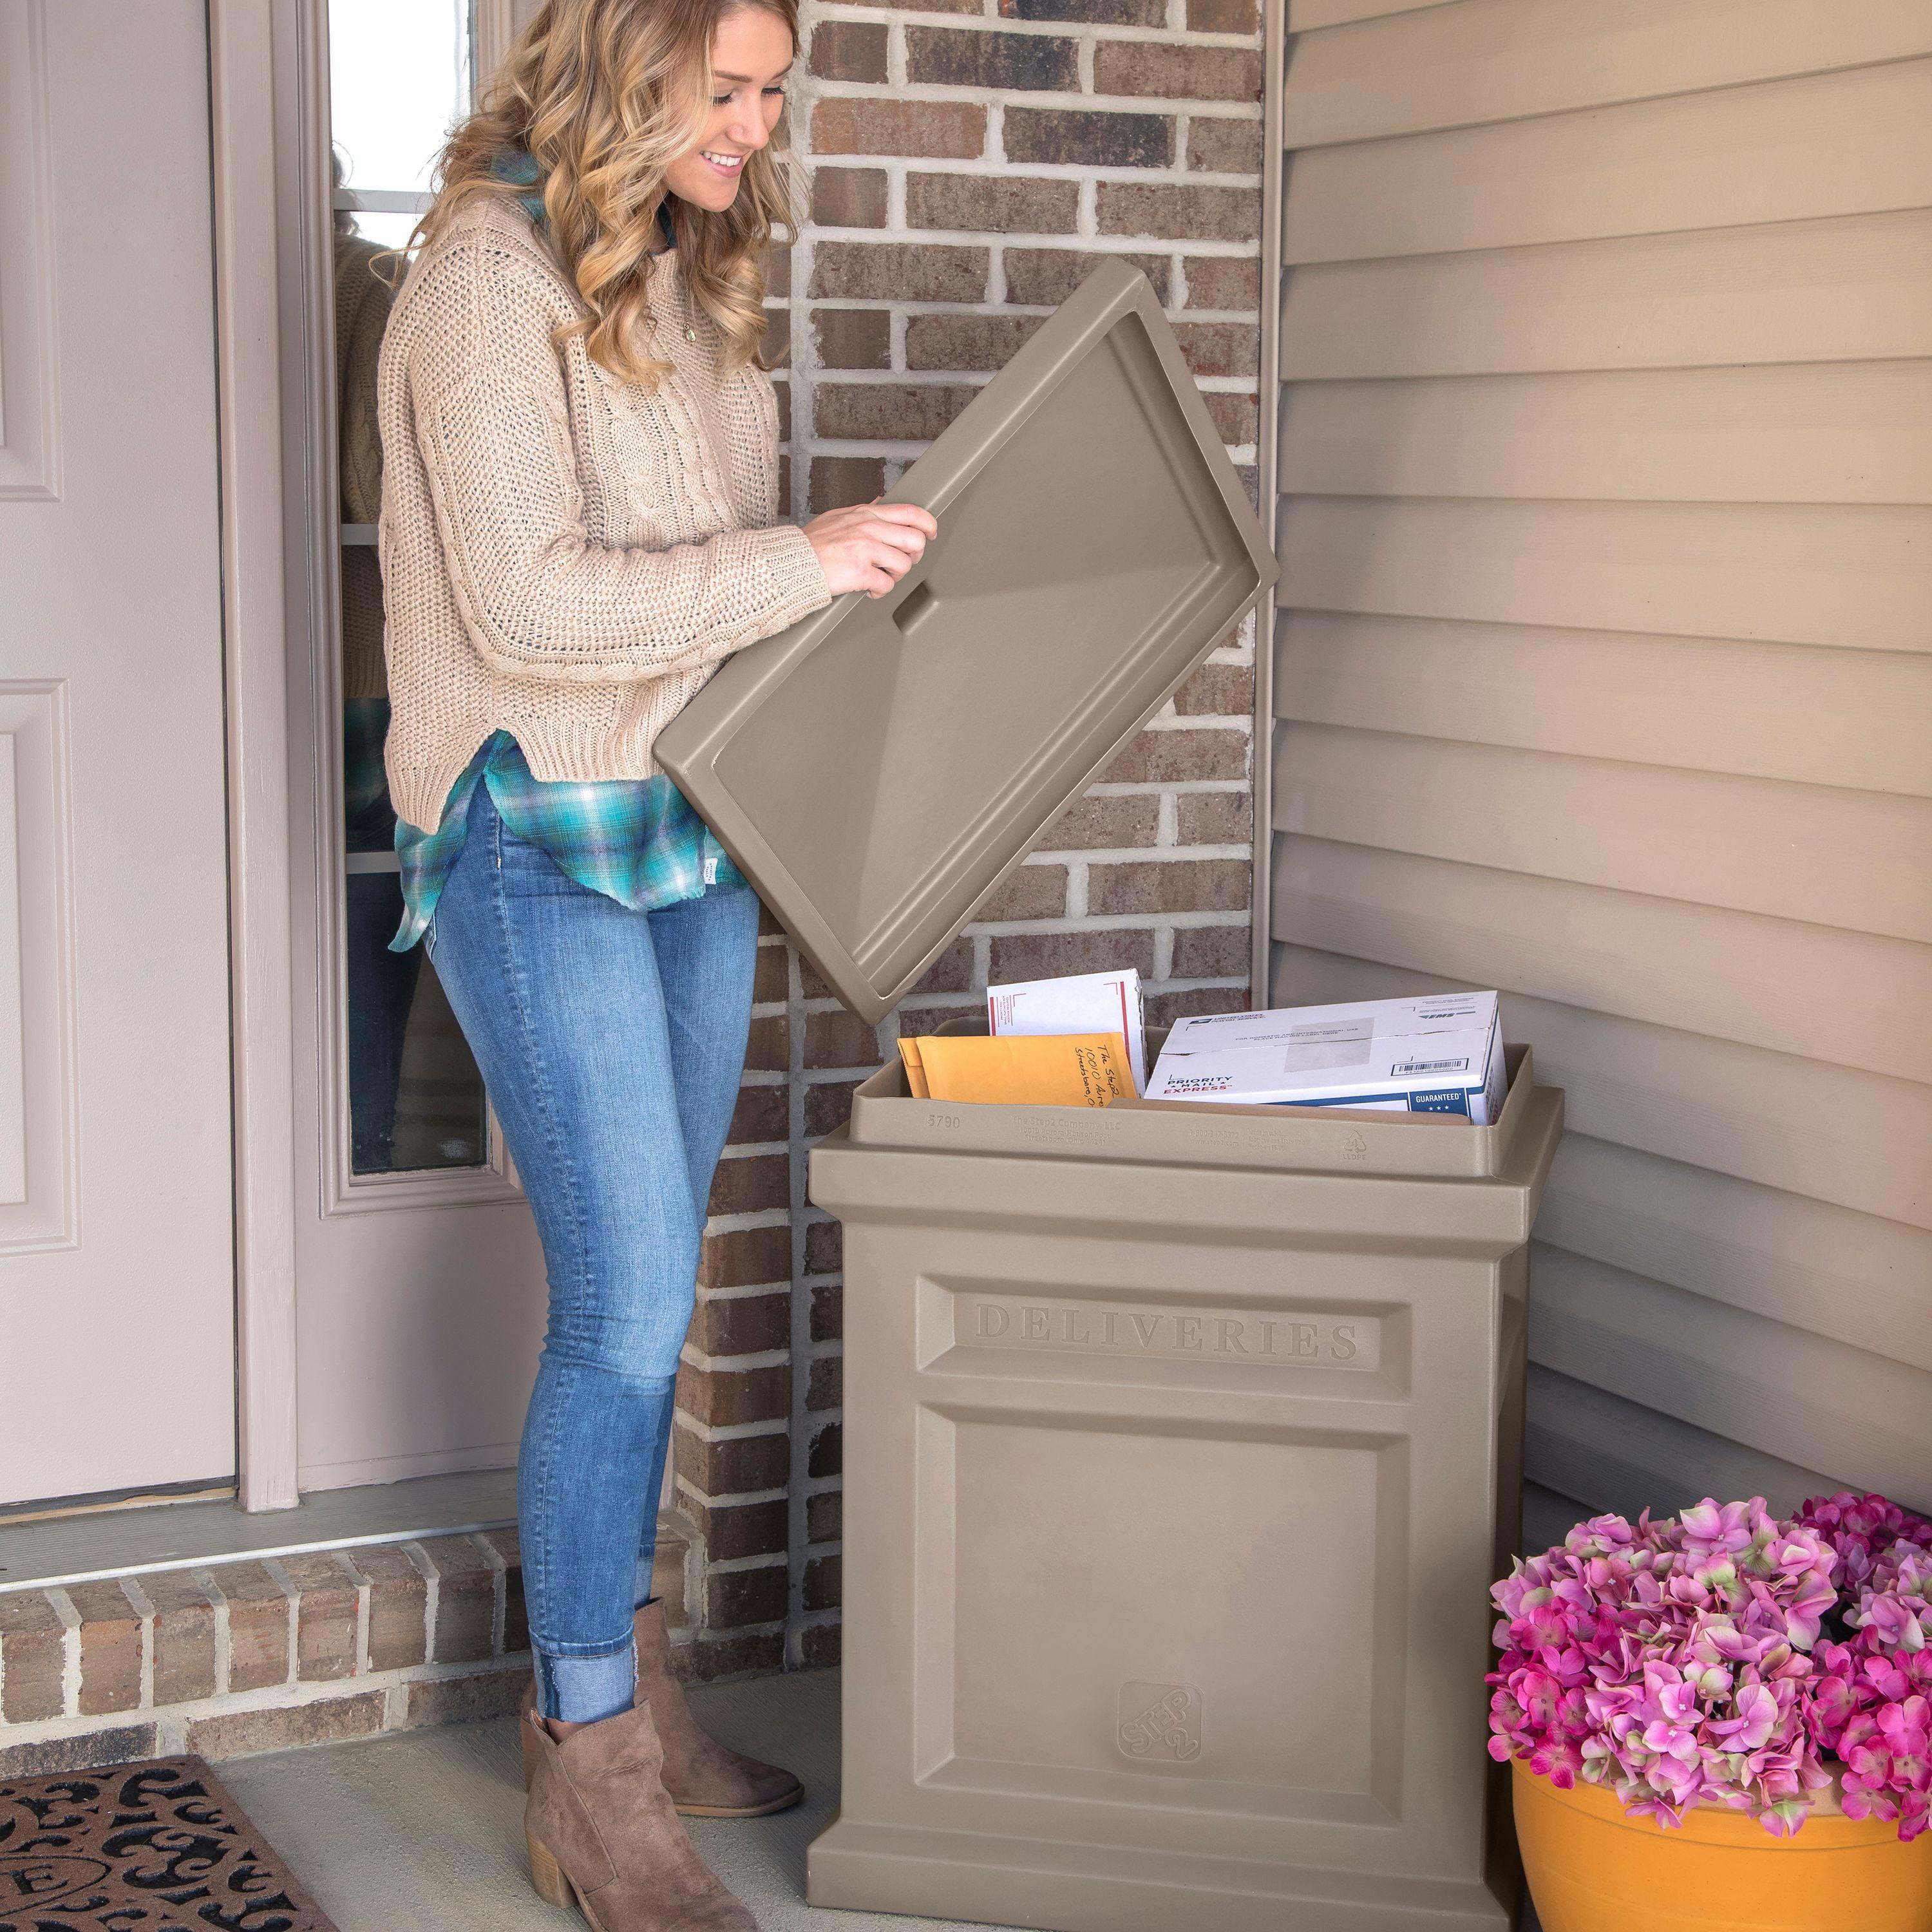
x,y
602,1834
705,1779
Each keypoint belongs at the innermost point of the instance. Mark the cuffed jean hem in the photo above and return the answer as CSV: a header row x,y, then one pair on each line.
x,y
581,1690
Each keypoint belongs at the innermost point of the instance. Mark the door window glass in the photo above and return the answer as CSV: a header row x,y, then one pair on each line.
x,y
400,76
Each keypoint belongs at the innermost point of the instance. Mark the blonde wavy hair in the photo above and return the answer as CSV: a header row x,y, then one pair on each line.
x,y
604,95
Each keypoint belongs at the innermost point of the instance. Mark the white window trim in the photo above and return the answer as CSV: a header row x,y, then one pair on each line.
x,y
344,1191
247,324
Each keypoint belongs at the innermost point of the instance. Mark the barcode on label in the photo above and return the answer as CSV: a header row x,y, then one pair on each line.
x,y
1431,1067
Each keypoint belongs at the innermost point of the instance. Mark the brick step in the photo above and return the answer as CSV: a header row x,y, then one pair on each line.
x,y
230,1658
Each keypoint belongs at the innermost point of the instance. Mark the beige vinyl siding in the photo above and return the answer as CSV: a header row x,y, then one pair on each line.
x,y
1603,674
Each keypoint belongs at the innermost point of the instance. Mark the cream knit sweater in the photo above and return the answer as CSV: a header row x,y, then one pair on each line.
x,y
565,556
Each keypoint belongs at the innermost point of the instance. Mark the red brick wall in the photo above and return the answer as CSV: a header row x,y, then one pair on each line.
x,y
967,160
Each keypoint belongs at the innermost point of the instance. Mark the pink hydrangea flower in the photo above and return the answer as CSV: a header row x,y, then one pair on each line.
x,y
1712,1527
1726,1658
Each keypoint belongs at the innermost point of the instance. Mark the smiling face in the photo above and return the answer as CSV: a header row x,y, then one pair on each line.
x,y
750,57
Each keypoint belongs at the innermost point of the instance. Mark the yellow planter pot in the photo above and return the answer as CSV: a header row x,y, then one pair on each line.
x,y
1593,1868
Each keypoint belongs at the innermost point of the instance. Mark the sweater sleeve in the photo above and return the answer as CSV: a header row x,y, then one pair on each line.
x,y
539,598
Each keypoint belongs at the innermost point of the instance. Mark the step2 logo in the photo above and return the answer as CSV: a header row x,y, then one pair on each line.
x,y
1160,1723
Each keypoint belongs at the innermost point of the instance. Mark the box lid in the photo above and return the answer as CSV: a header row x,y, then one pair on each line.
x,y
876,769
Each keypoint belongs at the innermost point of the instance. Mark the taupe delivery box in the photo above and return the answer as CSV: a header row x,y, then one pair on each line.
x,y
1179,1453
1179,1449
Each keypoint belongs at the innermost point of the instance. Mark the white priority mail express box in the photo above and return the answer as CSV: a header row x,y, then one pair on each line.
x,y
1442,1054
1079,1003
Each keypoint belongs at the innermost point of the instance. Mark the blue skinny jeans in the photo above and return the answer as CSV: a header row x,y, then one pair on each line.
x,y
611,1042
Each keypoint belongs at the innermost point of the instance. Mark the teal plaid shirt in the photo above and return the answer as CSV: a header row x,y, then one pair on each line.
x,y
636,841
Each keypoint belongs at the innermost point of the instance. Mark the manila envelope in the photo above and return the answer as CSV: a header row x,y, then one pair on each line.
x,y
1086,1069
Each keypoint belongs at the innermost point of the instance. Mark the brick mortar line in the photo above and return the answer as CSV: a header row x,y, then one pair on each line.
x,y
143,1603
1081,99
1094,33
747,1221
1217,248
1081,33
499,1591
420,1561
738,1566
365,1610
737,1365
292,1591
991,310
1102,922
1181,173
204,1580
70,1627
729,1432
1114,174
738,1292
743,1498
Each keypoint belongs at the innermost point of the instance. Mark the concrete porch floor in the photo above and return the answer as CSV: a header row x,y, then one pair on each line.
x,y
425,1829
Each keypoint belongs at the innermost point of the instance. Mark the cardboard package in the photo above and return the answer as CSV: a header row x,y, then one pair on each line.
x,y
1079,1003
1440,1054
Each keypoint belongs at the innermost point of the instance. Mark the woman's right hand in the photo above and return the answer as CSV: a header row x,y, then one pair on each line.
x,y
869,546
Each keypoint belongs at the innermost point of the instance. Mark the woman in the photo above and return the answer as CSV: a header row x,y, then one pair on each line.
x,y
579,520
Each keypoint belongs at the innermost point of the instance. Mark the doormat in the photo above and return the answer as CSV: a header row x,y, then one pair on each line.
x,y
157,1846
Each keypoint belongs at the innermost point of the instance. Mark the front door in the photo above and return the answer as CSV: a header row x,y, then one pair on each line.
x,y
116,1278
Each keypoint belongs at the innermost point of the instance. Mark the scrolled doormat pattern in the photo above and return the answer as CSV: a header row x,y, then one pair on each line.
x,y
158,1847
